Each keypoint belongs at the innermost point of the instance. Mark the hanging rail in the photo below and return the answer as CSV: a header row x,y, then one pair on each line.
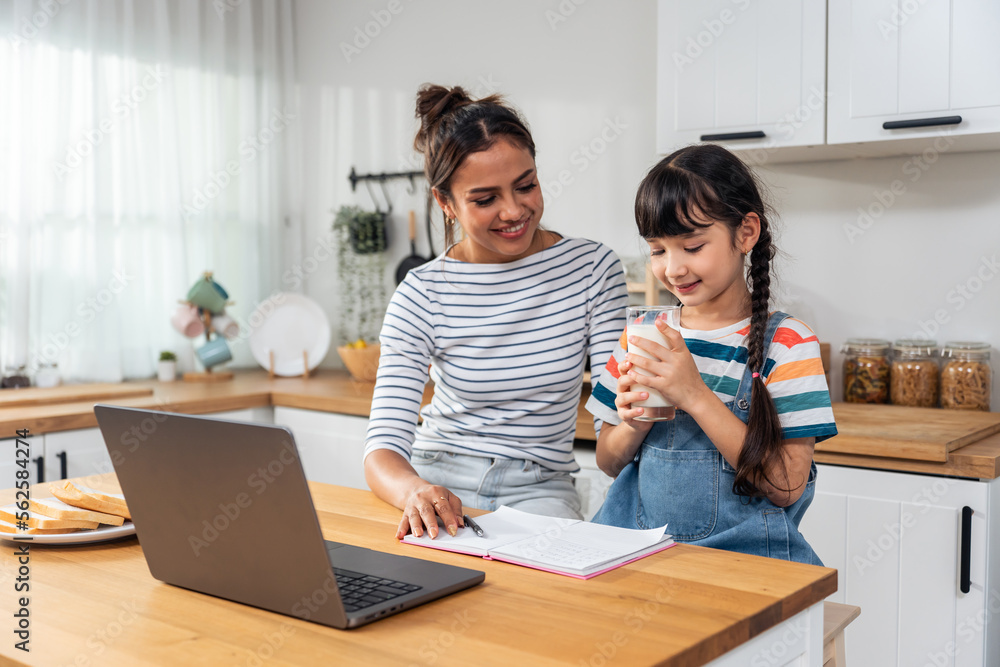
x,y
354,177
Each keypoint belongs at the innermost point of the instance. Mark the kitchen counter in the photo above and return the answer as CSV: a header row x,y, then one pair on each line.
x,y
335,391
683,607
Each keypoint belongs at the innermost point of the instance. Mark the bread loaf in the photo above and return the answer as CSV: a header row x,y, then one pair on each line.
x,y
6,527
9,513
57,509
91,499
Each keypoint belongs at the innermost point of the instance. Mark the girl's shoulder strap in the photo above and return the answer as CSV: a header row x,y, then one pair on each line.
x,y
773,322
746,382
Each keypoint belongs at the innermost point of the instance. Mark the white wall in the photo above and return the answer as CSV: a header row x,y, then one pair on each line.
x,y
585,82
926,265
572,79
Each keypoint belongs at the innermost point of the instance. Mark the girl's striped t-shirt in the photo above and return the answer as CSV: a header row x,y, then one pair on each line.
x,y
793,374
505,345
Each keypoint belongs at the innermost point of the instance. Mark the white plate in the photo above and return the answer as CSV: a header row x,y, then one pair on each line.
x,y
295,324
102,534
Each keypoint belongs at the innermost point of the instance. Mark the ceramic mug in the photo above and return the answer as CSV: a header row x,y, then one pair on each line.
x,y
186,321
207,294
226,326
214,352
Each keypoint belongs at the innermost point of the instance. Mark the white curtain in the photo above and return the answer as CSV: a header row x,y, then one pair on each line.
x,y
142,142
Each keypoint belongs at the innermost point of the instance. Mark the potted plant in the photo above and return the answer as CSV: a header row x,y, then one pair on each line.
x,y
360,238
166,368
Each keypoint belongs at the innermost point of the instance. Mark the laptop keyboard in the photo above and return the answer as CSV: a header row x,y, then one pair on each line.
x,y
359,590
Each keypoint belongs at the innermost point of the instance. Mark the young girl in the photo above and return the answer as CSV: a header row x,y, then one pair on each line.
x,y
733,470
504,320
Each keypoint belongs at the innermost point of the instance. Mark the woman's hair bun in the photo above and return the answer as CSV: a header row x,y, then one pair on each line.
x,y
434,102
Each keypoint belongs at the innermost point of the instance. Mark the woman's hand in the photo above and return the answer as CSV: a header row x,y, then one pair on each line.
x,y
424,505
393,479
674,373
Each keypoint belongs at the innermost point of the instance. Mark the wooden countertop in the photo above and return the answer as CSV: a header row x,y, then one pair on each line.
x,y
99,605
335,391
328,391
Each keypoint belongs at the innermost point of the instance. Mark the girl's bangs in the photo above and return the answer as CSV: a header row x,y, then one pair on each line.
x,y
671,202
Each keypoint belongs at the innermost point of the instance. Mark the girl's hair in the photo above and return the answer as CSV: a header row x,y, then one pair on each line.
x,y
708,183
453,125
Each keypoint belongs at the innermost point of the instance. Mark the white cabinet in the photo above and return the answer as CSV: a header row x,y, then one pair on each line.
x,y
10,453
77,453
896,540
331,446
591,483
897,62
261,415
82,452
736,68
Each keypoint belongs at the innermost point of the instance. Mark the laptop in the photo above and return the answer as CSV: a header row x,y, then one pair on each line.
x,y
223,508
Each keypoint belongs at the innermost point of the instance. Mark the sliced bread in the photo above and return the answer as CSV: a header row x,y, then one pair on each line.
x,y
90,499
6,527
8,513
57,509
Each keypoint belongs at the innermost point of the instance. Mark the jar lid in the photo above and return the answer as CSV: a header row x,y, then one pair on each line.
x,y
968,349
915,346
870,345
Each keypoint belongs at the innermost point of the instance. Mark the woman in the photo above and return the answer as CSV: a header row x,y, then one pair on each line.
x,y
504,320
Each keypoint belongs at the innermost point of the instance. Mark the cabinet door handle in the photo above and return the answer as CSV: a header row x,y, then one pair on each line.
x,y
40,462
965,571
731,136
63,467
921,122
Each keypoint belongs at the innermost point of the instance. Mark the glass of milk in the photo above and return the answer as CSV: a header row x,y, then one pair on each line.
x,y
640,321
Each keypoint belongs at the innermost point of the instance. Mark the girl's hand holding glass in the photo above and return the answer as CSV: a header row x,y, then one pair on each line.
x,y
673,370
625,397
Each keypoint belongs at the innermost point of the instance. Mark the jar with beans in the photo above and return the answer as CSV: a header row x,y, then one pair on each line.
x,y
966,376
913,374
866,370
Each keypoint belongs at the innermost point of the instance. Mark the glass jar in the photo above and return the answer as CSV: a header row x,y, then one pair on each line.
x,y
47,375
15,377
913,374
866,370
966,376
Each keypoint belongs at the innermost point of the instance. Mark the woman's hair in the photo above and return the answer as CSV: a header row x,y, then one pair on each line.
x,y
708,183
453,126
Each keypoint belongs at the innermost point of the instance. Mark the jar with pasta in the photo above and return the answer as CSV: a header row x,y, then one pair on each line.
x,y
913,374
966,376
866,370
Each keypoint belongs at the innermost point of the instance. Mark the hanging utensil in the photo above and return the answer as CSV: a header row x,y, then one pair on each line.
x,y
414,260
371,193
427,221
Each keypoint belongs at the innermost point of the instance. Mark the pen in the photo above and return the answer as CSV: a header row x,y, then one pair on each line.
x,y
473,525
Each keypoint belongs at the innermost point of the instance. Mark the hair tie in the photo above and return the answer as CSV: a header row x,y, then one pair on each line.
x,y
756,375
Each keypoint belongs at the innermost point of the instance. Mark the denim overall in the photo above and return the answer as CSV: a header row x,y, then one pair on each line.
x,y
679,478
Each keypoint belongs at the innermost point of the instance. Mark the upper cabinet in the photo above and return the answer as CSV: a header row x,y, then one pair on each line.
x,y
909,68
747,74
791,80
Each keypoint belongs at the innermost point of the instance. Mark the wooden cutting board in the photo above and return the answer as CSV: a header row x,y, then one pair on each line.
x,y
925,434
72,393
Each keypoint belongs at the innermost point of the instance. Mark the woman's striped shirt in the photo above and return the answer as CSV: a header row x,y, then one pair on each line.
x,y
505,345
793,374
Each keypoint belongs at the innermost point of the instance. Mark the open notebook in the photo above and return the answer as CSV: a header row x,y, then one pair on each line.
x,y
565,546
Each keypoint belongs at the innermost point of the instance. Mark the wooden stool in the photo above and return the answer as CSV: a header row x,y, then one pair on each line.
x,y
836,617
